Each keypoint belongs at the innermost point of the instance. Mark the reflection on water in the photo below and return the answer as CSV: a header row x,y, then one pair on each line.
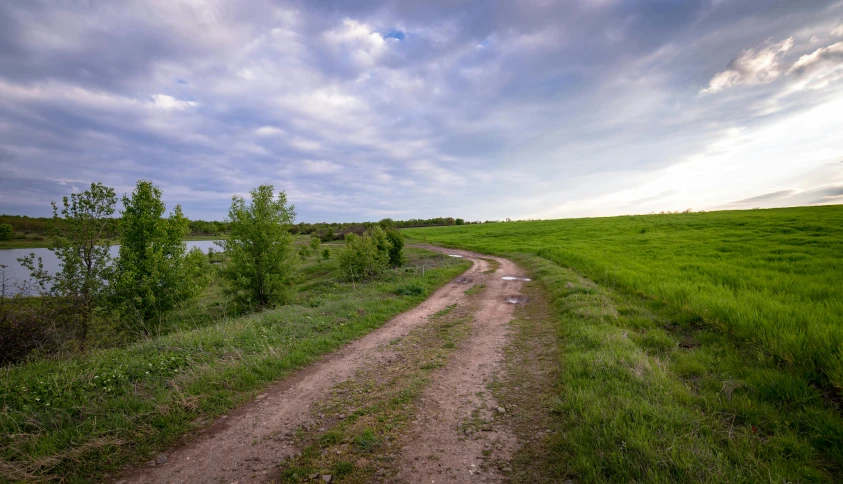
x,y
16,273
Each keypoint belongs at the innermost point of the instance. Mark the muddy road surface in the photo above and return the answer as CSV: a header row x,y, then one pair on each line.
x,y
458,424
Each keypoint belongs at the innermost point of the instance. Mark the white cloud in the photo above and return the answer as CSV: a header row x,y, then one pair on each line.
x,y
269,131
760,65
320,167
833,54
169,103
363,44
304,144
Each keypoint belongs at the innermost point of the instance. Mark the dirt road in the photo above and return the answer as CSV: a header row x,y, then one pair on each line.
x,y
458,426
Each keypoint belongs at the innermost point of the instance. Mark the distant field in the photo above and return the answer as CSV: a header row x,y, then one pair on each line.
x,y
774,277
700,347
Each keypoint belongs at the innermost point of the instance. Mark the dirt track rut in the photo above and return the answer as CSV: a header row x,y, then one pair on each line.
x,y
246,445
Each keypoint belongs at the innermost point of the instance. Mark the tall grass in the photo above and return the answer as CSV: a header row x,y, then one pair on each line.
x,y
646,393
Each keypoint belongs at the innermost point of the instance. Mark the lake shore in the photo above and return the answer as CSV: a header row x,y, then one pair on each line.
x,y
42,242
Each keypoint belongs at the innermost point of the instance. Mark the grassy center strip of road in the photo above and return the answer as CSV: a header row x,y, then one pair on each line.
x,y
80,418
645,392
355,435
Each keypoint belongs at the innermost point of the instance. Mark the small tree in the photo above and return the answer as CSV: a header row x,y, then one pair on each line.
x,y
326,253
261,265
6,232
80,240
153,271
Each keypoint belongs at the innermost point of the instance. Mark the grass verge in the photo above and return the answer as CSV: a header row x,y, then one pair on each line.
x,y
648,393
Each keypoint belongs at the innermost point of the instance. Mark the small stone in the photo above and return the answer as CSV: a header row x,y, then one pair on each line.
x,y
314,476
161,459
506,469
341,416
327,477
501,410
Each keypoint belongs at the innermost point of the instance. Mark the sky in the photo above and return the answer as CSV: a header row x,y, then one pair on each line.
x,y
485,110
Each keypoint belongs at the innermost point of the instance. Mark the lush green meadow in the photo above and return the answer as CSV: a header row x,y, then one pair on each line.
x,y
76,418
709,349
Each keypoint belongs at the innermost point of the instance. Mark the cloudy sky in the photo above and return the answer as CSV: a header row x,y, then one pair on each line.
x,y
419,108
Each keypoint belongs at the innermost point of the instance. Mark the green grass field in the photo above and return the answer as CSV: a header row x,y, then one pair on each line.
x,y
700,347
77,418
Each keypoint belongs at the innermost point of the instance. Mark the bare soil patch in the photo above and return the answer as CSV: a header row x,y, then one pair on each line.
x,y
461,433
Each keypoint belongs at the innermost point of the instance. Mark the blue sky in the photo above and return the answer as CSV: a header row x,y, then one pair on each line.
x,y
371,109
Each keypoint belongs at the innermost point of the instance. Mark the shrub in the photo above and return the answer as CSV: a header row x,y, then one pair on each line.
x,y
396,249
365,255
413,289
42,326
6,232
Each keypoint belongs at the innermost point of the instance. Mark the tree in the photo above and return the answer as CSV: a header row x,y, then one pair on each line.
x,y
5,232
261,266
314,245
153,271
80,240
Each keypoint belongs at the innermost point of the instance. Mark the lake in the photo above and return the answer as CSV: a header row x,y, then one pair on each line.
x,y
16,273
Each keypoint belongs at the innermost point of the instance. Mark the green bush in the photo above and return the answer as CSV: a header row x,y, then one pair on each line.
x,y
396,249
6,232
365,255
413,289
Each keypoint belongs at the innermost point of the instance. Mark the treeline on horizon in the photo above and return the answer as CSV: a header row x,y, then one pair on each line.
x,y
326,231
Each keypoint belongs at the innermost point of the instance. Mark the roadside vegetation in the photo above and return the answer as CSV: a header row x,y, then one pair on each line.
x,y
693,347
154,344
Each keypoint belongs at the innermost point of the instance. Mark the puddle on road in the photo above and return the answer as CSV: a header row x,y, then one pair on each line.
x,y
463,280
520,299
514,278
454,255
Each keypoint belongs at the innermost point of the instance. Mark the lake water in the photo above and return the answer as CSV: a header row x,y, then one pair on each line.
x,y
16,273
